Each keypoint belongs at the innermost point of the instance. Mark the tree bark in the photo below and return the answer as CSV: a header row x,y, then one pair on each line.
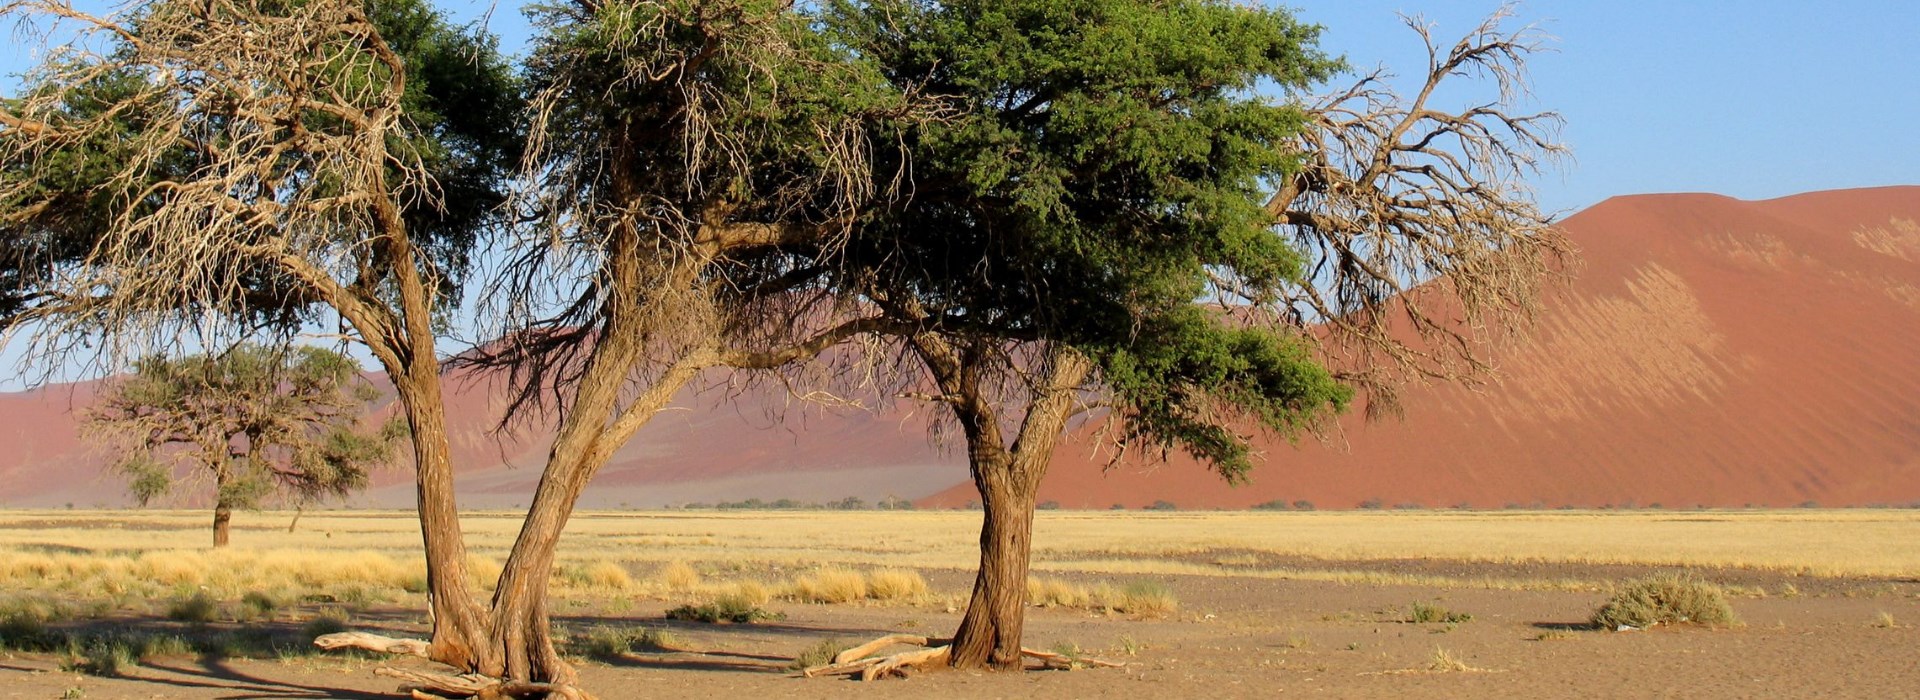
x,y
990,632
222,514
459,629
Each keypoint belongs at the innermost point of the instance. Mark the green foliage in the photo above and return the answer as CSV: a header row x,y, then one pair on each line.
x,y
254,420
1102,166
1665,600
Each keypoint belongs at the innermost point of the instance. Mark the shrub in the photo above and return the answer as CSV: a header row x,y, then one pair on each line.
x,y
722,609
1303,505
605,643
23,625
1423,613
259,603
1665,600
99,657
198,608
326,623
830,586
1163,505
818,655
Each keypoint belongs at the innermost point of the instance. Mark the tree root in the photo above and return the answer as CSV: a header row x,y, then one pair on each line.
x,y
440,686
422,685
860,661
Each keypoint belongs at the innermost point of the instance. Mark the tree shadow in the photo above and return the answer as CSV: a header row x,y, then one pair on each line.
x,y
215,673
1582,626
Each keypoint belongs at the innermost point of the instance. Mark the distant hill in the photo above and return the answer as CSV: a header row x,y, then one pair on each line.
x,y
1711,352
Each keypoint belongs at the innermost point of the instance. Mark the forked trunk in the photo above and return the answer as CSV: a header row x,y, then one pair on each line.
x,y
990,632
1008,480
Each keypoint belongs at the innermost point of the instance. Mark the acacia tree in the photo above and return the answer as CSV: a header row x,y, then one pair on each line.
x,y
220,167
1062,232
680,151
254,421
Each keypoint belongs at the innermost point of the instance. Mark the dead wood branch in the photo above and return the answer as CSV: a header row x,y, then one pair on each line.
x,y
859,660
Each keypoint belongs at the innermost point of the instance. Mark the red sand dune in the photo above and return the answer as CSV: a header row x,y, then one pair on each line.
x,y
1712,351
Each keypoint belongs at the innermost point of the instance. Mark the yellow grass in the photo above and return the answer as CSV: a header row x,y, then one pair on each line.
x,y
152,555
833,585
896,584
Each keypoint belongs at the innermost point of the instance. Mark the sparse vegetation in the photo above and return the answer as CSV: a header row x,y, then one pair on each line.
x,y
198,607
1665,600
1445,662
1423,613
1885,621
723,609
608,643
818,655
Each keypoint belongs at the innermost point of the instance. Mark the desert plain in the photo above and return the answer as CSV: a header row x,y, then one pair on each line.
x,y
1218,604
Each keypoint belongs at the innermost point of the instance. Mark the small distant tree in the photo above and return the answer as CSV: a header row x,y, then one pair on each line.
x,y
253,422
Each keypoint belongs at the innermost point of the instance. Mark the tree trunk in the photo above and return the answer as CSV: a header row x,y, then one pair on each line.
x,y
297,512
989,634
1008,480
459,627
222,514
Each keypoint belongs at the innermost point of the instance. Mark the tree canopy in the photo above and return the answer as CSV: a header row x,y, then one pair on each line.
x,y
255,422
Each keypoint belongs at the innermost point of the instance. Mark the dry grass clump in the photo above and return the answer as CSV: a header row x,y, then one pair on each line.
x,y
896,585
1885,621
598,575
752,592
1143,597
678,576
1665,600
1053,592
1445,662
830,586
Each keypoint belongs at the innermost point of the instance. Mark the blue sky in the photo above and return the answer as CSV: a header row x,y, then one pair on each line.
x,y
1754,99
1751,99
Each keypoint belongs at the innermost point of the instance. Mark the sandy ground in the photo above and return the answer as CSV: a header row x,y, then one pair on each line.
x,y
1233,637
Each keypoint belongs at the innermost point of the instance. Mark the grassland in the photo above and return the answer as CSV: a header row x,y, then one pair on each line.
x,y
637,592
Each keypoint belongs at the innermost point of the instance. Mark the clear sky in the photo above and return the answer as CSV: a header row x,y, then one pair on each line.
x,y
1752,99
